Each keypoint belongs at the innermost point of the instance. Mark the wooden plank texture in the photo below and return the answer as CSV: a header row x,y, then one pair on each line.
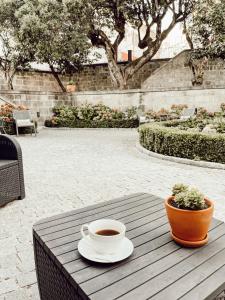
x,y
158,269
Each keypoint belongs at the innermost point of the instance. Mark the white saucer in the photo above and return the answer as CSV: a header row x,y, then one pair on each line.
x,y
86,250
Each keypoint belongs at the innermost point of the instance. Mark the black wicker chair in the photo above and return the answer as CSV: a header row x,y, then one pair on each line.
x,y
11,170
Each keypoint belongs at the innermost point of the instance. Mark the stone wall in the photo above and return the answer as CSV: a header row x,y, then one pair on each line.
x,y
147,99
167,85
114,98
92,78
176,74
41,102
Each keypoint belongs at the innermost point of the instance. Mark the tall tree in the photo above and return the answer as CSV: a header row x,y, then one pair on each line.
x,y
153,20
207,28
45,29
13,53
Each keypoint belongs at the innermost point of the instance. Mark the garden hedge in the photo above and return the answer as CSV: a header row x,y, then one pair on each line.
x,y
130,123
171,141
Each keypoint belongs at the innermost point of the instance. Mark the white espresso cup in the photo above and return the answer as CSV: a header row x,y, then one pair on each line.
x,y
104,244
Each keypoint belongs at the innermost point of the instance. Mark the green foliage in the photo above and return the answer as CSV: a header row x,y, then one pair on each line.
x,y
165,114
89,115
202,113
178,108
14,54
215,120
208,29
6,118
71,82
47,29
173,141
179,188
108,21
189,198
220,126
42,31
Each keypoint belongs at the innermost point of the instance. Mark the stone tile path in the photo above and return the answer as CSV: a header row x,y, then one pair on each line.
x,y
67,169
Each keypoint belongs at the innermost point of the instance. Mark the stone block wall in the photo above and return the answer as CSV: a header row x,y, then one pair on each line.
x,y
32,81
169,83
145,100
91,78
97,77
41,102
113,99
176,74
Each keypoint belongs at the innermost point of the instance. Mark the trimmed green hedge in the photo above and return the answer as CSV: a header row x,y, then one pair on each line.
x,y
95,124
159,138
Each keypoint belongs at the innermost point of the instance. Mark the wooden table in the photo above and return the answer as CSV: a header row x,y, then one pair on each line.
x,y
158,268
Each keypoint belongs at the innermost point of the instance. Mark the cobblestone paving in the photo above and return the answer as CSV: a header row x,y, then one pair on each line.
x,y
67,169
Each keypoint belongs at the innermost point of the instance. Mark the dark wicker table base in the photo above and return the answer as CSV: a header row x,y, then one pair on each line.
x,y
53,284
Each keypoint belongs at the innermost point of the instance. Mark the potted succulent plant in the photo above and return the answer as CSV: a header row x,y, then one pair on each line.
x,y
189,214
71,87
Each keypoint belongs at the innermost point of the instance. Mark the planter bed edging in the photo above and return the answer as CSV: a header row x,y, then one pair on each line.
x,y
90,128
186,161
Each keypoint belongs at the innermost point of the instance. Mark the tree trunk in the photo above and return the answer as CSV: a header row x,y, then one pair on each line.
x,y
9,82
116,71
10,79
188,36
55,74
137,64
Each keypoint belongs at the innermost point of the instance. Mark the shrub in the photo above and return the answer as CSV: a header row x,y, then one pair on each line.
x,y
165,114
173,141
161,115
95,116
202,113
6,116
178,108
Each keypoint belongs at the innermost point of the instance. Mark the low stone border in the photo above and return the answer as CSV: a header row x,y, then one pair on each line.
x,y
186,161
89,128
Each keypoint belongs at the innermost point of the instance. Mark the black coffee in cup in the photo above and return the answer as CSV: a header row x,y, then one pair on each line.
x,y
107,232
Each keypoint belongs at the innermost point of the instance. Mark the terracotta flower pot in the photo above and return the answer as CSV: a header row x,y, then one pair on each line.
x,y
70,88
189,227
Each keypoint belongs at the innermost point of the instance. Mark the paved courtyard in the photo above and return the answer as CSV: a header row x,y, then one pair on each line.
x,y
68,169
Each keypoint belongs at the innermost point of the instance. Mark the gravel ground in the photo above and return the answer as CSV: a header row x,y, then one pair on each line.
x,y
67,169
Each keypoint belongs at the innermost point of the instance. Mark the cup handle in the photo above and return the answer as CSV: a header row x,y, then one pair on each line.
x,y
82,230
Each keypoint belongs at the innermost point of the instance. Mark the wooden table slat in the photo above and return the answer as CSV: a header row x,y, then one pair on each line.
x,y
158,268
143,239
151,255
131,226
184,284
212,286
81,212
70,245
117,213
153,286
149,273
66,238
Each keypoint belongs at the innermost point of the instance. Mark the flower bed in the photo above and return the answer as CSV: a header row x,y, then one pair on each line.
x,y
168,139
92,116
6,118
